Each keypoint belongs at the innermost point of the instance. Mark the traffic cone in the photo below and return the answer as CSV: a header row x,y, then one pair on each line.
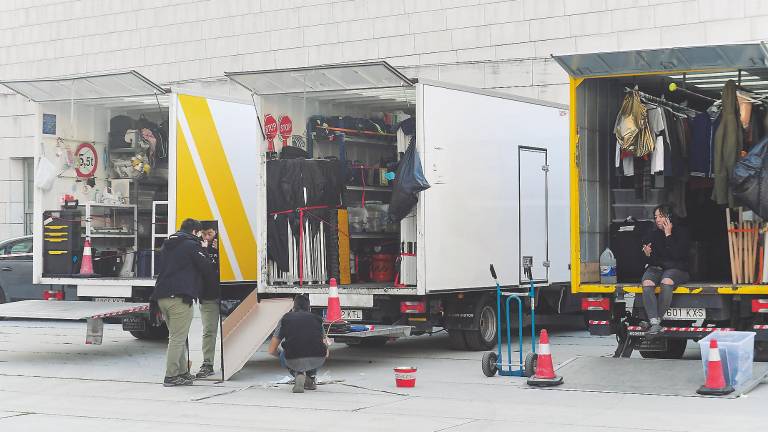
x,y
333,315
545,372
715,384
86,266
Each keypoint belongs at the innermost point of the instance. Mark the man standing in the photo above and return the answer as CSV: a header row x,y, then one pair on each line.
x,y
303,344
185,269
209,305
666,251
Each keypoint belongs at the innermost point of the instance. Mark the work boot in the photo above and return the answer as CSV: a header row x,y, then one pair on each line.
x,y
205,371
310,383
179,380
298,385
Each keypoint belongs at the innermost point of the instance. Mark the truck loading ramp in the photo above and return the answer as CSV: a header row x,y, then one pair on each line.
x,y
658,377
68,310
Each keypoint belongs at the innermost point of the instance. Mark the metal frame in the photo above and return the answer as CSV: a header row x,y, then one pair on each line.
x,y
520,150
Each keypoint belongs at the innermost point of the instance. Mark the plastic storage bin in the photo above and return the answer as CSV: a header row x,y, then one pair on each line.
x,y
737,350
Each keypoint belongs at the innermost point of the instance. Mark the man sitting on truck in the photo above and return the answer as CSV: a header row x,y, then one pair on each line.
x,y
666,250
184,270
299,341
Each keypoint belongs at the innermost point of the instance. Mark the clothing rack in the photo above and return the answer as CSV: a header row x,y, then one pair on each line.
x,y
662,102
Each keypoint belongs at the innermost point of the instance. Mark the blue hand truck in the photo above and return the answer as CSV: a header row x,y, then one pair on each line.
x,y
493,362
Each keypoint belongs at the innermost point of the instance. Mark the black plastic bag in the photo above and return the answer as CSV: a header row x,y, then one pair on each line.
x,y
409,181
749,182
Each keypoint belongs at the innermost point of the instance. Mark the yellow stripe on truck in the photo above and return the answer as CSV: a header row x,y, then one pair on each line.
x,y
222,183
190,197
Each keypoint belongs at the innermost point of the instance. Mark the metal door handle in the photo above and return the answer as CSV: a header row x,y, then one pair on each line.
x,y
6,269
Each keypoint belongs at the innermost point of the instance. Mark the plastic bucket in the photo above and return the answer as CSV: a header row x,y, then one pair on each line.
x,y
736,353
405,376
383,268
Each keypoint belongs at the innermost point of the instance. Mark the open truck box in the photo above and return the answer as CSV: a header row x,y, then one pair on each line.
x,y
481,199
601,198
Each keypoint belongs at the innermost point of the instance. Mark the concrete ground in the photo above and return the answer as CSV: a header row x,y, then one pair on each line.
x,y
51,381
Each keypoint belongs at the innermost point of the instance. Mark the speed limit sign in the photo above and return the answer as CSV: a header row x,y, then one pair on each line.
x,y
86,160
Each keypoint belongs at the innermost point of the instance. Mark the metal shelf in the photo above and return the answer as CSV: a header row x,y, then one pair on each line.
x,y
359,140
365,235
370,188
112,235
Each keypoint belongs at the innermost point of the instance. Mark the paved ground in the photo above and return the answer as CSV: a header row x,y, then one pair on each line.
x,y
51,381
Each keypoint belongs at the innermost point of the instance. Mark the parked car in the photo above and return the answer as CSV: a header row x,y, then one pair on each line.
x,y
16,271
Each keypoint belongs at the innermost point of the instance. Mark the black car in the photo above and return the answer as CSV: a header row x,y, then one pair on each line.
x,y
16,271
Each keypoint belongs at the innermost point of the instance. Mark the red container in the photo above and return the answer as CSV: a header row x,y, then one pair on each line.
x,y
382,268
405,376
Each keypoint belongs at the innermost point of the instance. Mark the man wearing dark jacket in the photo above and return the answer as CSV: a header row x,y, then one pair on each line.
x,y
209,305
666,250
300,332
184,270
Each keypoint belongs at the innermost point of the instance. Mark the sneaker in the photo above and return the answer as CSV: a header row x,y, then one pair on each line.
x,y
298,385
178,380
310,383
187,376
205,371
654,330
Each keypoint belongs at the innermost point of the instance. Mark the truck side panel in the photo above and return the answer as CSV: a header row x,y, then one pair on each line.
x,y
470,213
217,173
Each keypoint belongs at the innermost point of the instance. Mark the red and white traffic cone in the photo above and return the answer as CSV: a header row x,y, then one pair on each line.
x,y
333,314
86,266
715,384
545,372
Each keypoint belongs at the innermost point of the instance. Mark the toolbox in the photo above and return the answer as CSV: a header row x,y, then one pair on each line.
x,y
62,244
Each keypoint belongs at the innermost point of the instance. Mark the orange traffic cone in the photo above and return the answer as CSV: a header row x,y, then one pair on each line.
x,y
545,372
715,384
86,266
333,315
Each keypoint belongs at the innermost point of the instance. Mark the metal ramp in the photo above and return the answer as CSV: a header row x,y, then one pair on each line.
x,y
247,328
68,310
644,376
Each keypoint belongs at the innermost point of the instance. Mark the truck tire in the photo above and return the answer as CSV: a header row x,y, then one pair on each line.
x,y
675,350
456,340
485,337
370,342
152,332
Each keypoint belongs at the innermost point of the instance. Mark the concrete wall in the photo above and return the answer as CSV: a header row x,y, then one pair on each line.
x,y
486,43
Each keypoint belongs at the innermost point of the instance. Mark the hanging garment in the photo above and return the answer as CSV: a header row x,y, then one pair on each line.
x,y
749,181
700,151
625,162
674,165
631,126
728,144
656,121
745,110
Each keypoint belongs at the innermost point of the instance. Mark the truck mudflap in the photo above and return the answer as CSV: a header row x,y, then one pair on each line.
x,y
600,328
761,332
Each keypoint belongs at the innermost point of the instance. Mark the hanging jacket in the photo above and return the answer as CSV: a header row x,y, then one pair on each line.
x,y
728,142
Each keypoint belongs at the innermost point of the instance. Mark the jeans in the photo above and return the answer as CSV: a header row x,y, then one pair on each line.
x,y
656,310
209,315
284,363
178,318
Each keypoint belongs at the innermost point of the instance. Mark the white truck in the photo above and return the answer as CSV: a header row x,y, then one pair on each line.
x,y
497,165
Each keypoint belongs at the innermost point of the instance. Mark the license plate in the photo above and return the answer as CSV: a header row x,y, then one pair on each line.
x,y
134,324
352,314
109,299
685,314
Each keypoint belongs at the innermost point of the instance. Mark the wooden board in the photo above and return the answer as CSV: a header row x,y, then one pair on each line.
x,y
344,270
248,327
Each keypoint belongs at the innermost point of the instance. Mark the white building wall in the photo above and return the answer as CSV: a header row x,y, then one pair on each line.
x,y
504,45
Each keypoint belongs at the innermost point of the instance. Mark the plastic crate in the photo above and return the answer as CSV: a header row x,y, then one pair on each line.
x,y
737,350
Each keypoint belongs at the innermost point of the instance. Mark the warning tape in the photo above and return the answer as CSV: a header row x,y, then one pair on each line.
x,y
592,322
760,327
143,308
683,329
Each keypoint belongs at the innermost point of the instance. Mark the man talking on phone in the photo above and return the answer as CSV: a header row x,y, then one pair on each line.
x,y
666,251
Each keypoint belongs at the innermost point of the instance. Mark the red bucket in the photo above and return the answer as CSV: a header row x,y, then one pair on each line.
x,y
405,376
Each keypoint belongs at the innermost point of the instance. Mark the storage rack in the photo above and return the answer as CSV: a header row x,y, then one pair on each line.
x,y
161,235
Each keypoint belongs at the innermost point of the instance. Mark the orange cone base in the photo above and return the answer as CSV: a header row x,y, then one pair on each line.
x,y
545,382
704,390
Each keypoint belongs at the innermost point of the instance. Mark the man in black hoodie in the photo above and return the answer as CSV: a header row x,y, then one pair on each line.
x,y
666,250
184,270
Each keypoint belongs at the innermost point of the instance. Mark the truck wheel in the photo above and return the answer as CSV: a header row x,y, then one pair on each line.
x,y
152,332
675,350
485,337
456,340
761,351
370,342
489,364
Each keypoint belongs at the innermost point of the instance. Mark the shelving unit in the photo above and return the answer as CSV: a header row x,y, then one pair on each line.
x,y
159,208
113,214
370,188
367,235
